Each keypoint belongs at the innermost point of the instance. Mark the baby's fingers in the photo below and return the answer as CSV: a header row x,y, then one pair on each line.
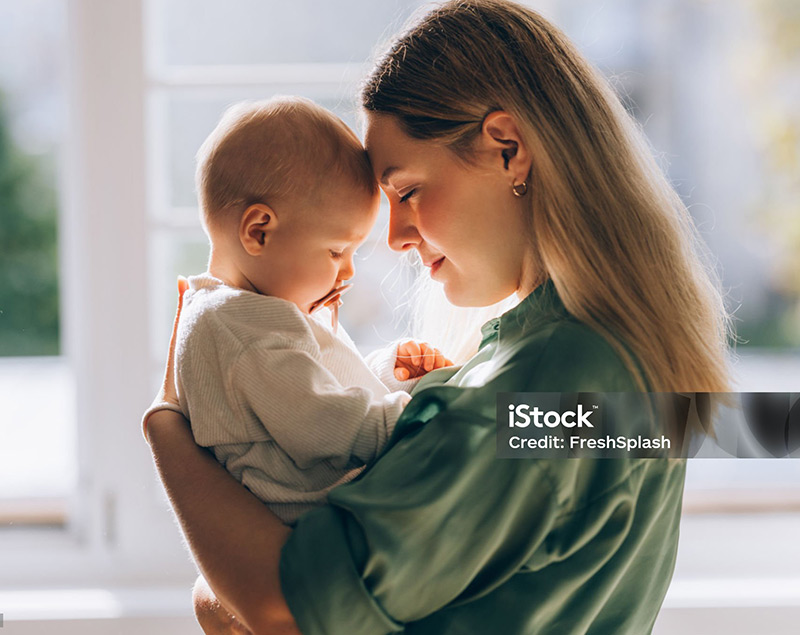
x,y
429,357
334,296
410,354
434,358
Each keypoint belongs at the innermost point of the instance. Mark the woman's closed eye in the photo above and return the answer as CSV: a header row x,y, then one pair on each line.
x,y
336,254
408,195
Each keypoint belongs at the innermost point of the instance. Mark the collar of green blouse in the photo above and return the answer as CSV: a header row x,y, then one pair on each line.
x,y
540,304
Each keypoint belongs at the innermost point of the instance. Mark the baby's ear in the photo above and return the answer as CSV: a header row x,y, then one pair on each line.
x,y
257,223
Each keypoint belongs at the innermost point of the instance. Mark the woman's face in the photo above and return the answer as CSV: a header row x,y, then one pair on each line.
x,y
464,220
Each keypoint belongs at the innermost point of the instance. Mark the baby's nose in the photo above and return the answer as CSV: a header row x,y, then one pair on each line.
x,y
346,271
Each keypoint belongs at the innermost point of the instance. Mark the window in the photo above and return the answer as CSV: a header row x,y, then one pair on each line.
x,y
145,81
142,92
254,50
38,461
708,83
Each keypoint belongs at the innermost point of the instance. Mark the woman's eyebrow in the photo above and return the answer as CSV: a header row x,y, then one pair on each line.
x,y
387,173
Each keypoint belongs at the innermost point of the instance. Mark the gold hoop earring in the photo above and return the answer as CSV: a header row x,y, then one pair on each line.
x,y
520,189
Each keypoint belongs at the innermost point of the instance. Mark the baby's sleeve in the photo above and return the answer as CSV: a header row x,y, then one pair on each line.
x,y
307,412
382,362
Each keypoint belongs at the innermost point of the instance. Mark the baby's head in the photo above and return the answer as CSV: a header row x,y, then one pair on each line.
x,y
286,196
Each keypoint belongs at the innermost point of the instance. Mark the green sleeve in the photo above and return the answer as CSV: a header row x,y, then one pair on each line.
x,y
437,519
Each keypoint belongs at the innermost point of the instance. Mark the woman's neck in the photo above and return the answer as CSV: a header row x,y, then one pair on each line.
x,y
531,276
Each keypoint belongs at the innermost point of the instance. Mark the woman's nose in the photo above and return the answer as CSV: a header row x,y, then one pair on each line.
x,y
403,234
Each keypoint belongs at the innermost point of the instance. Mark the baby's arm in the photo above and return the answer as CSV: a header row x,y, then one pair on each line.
x,y
415,359
401,364
308,413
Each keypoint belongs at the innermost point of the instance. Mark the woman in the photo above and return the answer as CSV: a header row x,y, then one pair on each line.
x,y
511,167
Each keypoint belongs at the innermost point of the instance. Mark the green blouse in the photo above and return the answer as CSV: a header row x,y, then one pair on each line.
x,y
440,537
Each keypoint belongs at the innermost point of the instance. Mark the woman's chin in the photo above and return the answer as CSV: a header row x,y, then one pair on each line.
x,y
472,295
463,295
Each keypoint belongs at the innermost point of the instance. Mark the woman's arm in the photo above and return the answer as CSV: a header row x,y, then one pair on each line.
x,y
235,539
211,615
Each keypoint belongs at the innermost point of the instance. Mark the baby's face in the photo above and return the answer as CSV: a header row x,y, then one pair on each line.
x,y
312,252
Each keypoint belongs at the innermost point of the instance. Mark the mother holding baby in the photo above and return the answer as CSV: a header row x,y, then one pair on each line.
x,y
512,168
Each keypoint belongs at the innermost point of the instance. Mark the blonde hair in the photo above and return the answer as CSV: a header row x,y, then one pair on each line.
x,y
284,148
606,226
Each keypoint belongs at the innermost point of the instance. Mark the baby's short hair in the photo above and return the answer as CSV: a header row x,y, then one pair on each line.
x,y
282,148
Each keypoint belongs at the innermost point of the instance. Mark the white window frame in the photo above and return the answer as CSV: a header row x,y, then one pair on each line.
x,y
121,531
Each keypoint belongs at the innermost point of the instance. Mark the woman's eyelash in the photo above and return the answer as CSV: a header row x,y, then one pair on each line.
x,y
404,198
336,254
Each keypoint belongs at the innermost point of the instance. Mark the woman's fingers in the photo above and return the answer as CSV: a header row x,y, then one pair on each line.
x,y
168,389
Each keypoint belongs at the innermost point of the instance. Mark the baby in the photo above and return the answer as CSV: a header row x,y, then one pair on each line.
x,y
284,401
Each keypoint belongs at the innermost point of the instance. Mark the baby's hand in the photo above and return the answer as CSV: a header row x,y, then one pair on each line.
x,y
414,359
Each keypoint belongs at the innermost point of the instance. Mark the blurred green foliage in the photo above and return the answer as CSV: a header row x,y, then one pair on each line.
x,y
29,306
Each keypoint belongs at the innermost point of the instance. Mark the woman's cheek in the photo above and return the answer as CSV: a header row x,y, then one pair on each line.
x,y
434,218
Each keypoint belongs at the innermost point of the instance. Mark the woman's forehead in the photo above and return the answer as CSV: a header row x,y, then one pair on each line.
x,y
390,149
384,140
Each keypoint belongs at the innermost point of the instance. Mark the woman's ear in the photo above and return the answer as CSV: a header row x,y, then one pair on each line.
x,y
501,136
258,222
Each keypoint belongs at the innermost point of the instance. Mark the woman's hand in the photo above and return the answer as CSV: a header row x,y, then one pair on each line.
x,y
235,539
168,392
415,359
167,396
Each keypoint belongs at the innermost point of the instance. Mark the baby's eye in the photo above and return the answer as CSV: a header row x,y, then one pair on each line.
x,y
405,197
335,254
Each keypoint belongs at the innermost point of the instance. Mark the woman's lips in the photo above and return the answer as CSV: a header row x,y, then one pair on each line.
x,y
436,265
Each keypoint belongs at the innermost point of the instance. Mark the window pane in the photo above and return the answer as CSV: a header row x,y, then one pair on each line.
x,y
374,311
190,119
174,253
712,85
258,32
37,455
717,90
37,394
31,112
